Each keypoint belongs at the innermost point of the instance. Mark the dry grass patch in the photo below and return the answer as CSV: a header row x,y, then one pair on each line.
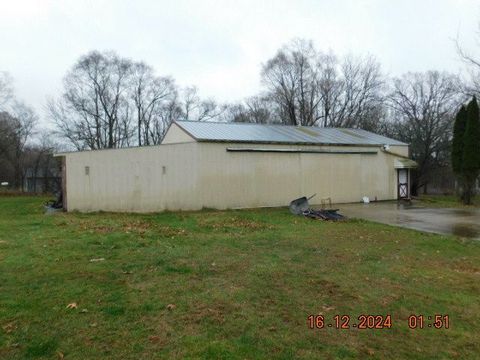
x,y
232,223
119,224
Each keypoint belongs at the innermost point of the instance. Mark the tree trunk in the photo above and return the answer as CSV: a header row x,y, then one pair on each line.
x,y
425,188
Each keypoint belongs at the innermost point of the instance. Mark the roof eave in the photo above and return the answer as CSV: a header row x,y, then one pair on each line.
x,y
287,142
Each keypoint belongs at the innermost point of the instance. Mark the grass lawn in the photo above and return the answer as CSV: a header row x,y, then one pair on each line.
x,y
447,201
227,285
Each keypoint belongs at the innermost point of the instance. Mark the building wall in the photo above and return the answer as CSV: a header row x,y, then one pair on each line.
x,y
137,179
252,179
176,135
190,176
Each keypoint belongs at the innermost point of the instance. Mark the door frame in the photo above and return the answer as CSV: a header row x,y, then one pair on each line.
x,y
406,185
64,183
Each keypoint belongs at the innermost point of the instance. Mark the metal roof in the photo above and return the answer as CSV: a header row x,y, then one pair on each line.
x,y
281,134
405,164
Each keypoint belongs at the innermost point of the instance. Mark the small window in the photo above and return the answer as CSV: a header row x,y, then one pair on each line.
x,y
87,170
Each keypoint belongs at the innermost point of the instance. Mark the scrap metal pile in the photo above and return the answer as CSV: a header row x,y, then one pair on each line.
x,y
54,205
300,206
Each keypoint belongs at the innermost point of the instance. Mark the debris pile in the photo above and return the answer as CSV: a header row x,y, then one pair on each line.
x,y
55,205
324,214
300,206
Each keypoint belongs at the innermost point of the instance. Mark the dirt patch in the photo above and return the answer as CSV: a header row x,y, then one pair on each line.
x,y
213,313
466,268
161,332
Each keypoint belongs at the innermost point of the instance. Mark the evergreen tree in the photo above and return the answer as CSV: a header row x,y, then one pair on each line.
x,y
471,149
457,144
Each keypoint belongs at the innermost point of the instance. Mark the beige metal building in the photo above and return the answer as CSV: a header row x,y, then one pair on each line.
x,y
219,165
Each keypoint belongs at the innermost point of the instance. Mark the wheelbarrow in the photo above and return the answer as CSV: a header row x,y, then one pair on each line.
x,y
298,206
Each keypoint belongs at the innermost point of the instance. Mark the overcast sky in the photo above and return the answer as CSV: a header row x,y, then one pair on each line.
x,y
219,46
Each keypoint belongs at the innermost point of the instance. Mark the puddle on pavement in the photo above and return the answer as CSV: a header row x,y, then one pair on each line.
x,y
459,222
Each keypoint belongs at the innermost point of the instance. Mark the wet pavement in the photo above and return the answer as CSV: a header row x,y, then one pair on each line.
x,y
460,222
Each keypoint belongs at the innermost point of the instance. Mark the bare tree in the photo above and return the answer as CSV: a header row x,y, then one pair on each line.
x,y
291,81
423,106
6,89
42,169
154,99
111,102
16,129
19,153
259,110
472,61
93,111
330,90
309,88
255,109
167,113
358,96
236,112
195,109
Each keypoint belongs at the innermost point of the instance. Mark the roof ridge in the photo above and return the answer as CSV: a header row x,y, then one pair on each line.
x,y
259,124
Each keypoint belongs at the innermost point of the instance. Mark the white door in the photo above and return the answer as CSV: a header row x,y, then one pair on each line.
x,y
402,183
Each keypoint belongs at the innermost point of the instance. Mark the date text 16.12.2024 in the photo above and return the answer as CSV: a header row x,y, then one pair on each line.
x,y
346,322
376,322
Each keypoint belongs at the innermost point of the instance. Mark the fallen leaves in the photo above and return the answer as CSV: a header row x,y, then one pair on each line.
x,y
159,340
9,327
154,338
72,306
234,223
136,227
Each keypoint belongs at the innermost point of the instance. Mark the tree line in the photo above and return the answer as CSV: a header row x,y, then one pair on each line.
x,y
109,101
23,146
466,149
112,102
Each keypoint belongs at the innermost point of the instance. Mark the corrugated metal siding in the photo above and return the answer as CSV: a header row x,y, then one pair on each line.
x,y
195,175
234,132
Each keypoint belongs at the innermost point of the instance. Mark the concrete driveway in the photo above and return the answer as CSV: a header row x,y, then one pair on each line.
x,y
460,222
